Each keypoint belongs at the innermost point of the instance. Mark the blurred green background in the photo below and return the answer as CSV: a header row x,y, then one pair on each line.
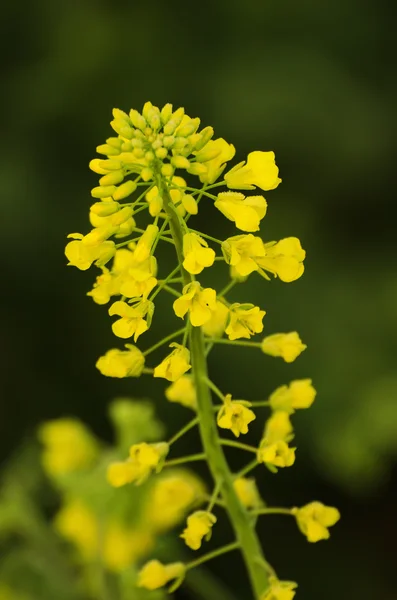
x,y
313,82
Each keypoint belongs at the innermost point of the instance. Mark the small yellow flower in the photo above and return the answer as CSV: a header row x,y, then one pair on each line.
x,y
260,170
155,575
216,325
68,446
278,427
280,590
156,202
217,152
247,492
132,322
173,493
143,459
197,254
244,321
82,255
145,243
175,364
199,302
183,392
78,524
287,345
199,525
235,415
314,519
120,473
274,449
123,546
122,363
284,259
299,394
242,252
246,213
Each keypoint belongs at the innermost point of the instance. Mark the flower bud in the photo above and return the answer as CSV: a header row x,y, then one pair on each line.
x,y
120,114
179,143
122,128
205,136
115,142
180,162
104,209
103,191
167,170
112,178
174,122
147,174
197,169
208,153
190,128
168,141
98,235
189,204
166,113
107,150
111,164
161,153
126,147
122,215
95,165
124,190
137,120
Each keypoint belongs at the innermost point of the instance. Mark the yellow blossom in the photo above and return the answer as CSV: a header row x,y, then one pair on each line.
x,y
68,446
123,546
154,574
122,472
78,524
274,449
199,525
214,155
247,492
121,363
314,519
287,345
155,200
183,392
216,326
199,302
284,259
143,459
244,321
197,254
246,213
173,493
175,364
242,253
260,170
143,248
81,254
278,427
132,322
189,204
235,415
280,590
299,394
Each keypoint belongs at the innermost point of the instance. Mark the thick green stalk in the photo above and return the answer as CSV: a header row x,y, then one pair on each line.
x,y
240,519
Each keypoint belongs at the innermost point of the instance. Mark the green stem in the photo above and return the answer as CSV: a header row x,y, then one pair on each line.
x,y
164,341
216,390
238,445
232,342
247,469
228,287
272,511
184,459
211,555
240,518
184,430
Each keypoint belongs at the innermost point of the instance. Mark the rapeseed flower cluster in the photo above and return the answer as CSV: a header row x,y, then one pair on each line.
x,y
144,198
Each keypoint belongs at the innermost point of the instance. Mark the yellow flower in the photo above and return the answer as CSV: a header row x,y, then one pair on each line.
x,y
199,525
175,364
216,326
199,302
155,575
299,394
235,415
132,322
78,524
260,170
197,254
287,345
284,259
143,459
314,519
245,320
242,252
172,494
183,392
123,546
247,492
215,155
156,202
122,363
279,590
81,254
274,449
145,243
68,446
246,213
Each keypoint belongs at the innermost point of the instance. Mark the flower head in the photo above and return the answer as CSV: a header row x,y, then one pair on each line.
x,y
132,322
260,170
287,345
143,459
314,519
197,254
244,321
247,492
199,525
235,415
284,259
280,590
246,213
155,575
242,252
82,254
175,364
122,363
199,302
299,394
216,325
183,392
273,448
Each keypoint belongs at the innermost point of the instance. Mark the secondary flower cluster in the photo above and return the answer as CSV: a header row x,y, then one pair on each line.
x,y
141,178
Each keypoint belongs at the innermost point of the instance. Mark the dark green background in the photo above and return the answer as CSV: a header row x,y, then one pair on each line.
x,y
315,83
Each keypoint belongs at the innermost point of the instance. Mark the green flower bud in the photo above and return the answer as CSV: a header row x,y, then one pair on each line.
x,y
174,122
168,141
161,153
149,156
121,127
180,142
120,114
137,119
166,113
